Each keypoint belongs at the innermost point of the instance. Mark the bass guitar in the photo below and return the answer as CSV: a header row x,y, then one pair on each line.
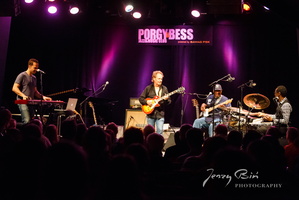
x,y
195,104
148,109
208,110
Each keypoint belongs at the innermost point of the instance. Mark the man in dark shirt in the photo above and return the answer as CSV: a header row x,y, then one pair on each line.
x,y
155,114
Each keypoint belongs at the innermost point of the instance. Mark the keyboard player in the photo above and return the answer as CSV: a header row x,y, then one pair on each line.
x,y
26,89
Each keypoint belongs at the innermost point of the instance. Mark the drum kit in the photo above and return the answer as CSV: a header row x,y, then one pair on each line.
x,y
240,119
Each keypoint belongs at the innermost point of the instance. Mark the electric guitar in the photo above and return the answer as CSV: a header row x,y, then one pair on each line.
x,y
195,104
148,109
208,110
93,112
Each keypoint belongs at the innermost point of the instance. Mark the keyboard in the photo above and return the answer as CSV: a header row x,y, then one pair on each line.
x,y
38,102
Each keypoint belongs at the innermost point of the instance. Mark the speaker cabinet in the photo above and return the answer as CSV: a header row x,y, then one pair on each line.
x,y
135,117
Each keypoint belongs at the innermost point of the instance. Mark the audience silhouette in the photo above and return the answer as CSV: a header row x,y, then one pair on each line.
x,y
91,163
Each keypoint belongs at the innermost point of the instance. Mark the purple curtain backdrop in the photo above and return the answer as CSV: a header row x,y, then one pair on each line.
x,y
81,54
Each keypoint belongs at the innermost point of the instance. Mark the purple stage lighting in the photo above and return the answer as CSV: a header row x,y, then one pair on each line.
x,y
52,9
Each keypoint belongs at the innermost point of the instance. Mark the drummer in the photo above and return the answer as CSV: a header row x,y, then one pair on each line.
x,y
211,110
281,118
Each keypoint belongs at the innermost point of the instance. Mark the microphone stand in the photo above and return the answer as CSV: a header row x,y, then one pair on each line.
x,y
213,83
241,104
41,92
84,101
241,107
247,121
182,108
213,114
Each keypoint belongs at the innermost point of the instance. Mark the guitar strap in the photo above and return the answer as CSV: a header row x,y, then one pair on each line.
x,y
218,100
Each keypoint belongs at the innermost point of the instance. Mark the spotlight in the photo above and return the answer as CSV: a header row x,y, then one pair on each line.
x,y
129,8
74,10
246,7
266,8
52,9
195,13
28,1
137,15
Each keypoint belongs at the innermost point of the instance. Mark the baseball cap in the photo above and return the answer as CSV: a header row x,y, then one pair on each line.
x,y
217,87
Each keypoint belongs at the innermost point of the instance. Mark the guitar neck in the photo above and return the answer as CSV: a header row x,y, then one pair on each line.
x,y
220,104
93,113
94,117
197,111
169,94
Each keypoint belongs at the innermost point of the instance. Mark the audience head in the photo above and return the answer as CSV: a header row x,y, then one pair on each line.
x,y
148,129
38,122
95,140
273,131
51,133
32,131
221,130
234,138
5,117
250,136
112,126
292,134
155,142
133,135
194,137
183,130
68,129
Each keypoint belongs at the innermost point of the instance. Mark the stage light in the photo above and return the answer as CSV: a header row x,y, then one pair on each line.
x,y
195,13
137,15
129,8
246,7
28,1
52,9
266,8
74,10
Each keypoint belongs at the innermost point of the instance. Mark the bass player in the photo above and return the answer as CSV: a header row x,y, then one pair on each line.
x,y
155,117
211,110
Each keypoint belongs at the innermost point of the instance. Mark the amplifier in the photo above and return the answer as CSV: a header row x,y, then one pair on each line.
x,y
135,117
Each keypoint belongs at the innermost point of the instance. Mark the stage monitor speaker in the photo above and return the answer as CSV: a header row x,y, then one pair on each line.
x,y
136,118
170,141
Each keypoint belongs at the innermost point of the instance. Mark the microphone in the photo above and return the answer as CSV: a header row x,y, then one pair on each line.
x,y
104,86
230,78
209,94
41,71
251,84
275,99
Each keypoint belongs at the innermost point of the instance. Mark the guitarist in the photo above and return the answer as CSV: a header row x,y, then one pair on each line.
x,y
152,91
206,121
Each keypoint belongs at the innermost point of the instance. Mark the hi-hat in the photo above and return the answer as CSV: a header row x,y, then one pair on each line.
x,y
256,101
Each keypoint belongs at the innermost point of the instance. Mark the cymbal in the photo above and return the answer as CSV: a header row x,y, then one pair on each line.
x,y
236,110
256,101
